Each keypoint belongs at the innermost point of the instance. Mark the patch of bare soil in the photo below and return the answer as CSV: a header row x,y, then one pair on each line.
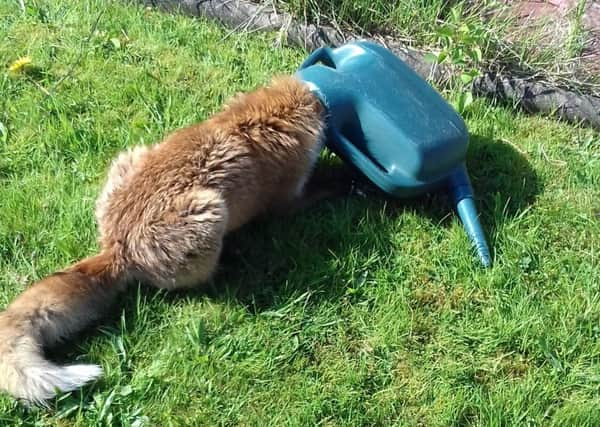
x,y
563,24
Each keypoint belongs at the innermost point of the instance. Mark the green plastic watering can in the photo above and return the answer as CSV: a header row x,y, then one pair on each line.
x,y
390,124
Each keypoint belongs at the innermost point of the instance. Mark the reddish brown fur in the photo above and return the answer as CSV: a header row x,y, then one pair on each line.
x,y
162,217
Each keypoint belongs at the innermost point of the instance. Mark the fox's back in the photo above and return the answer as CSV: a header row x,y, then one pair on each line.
x,y
255,155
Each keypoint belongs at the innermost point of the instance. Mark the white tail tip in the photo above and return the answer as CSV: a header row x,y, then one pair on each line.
x,y
40,383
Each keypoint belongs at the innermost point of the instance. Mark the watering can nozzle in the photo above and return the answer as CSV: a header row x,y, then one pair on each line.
x,y
465,207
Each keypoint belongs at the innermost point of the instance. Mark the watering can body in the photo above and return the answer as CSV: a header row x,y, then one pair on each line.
x,y
389,123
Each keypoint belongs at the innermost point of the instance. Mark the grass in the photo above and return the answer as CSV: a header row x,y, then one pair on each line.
x,y
363,311
534,49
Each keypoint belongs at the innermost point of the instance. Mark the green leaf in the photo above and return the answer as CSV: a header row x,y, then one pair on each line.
x,y
466,78
474,73
431,57
126,390
455,12
116,43
445,31
458,56
476,54
467,99
3,133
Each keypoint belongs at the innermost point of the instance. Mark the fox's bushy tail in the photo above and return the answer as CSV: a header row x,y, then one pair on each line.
x,y
50,311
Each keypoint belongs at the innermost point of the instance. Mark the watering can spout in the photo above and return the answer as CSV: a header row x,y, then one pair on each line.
x,y
462,193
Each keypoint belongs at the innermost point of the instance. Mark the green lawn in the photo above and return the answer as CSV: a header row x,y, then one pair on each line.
x,y
359,312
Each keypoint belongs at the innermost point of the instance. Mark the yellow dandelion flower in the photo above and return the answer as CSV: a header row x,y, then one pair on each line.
x,y
20,65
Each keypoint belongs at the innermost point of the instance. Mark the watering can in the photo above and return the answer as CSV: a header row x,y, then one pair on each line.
x,y
390,124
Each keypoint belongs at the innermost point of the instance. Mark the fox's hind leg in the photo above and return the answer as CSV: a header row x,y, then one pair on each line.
x,y
182,248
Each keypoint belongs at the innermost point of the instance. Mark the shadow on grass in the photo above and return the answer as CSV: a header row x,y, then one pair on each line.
x,y
267,260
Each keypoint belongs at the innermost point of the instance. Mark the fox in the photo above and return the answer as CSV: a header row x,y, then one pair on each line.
x,y
161,217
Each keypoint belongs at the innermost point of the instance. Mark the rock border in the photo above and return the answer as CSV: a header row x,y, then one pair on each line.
x,y
532,96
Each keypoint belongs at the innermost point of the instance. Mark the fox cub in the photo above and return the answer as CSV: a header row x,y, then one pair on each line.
x,y
162,216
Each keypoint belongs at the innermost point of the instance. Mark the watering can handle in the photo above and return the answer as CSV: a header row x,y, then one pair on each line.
x,y
323,54
358,158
